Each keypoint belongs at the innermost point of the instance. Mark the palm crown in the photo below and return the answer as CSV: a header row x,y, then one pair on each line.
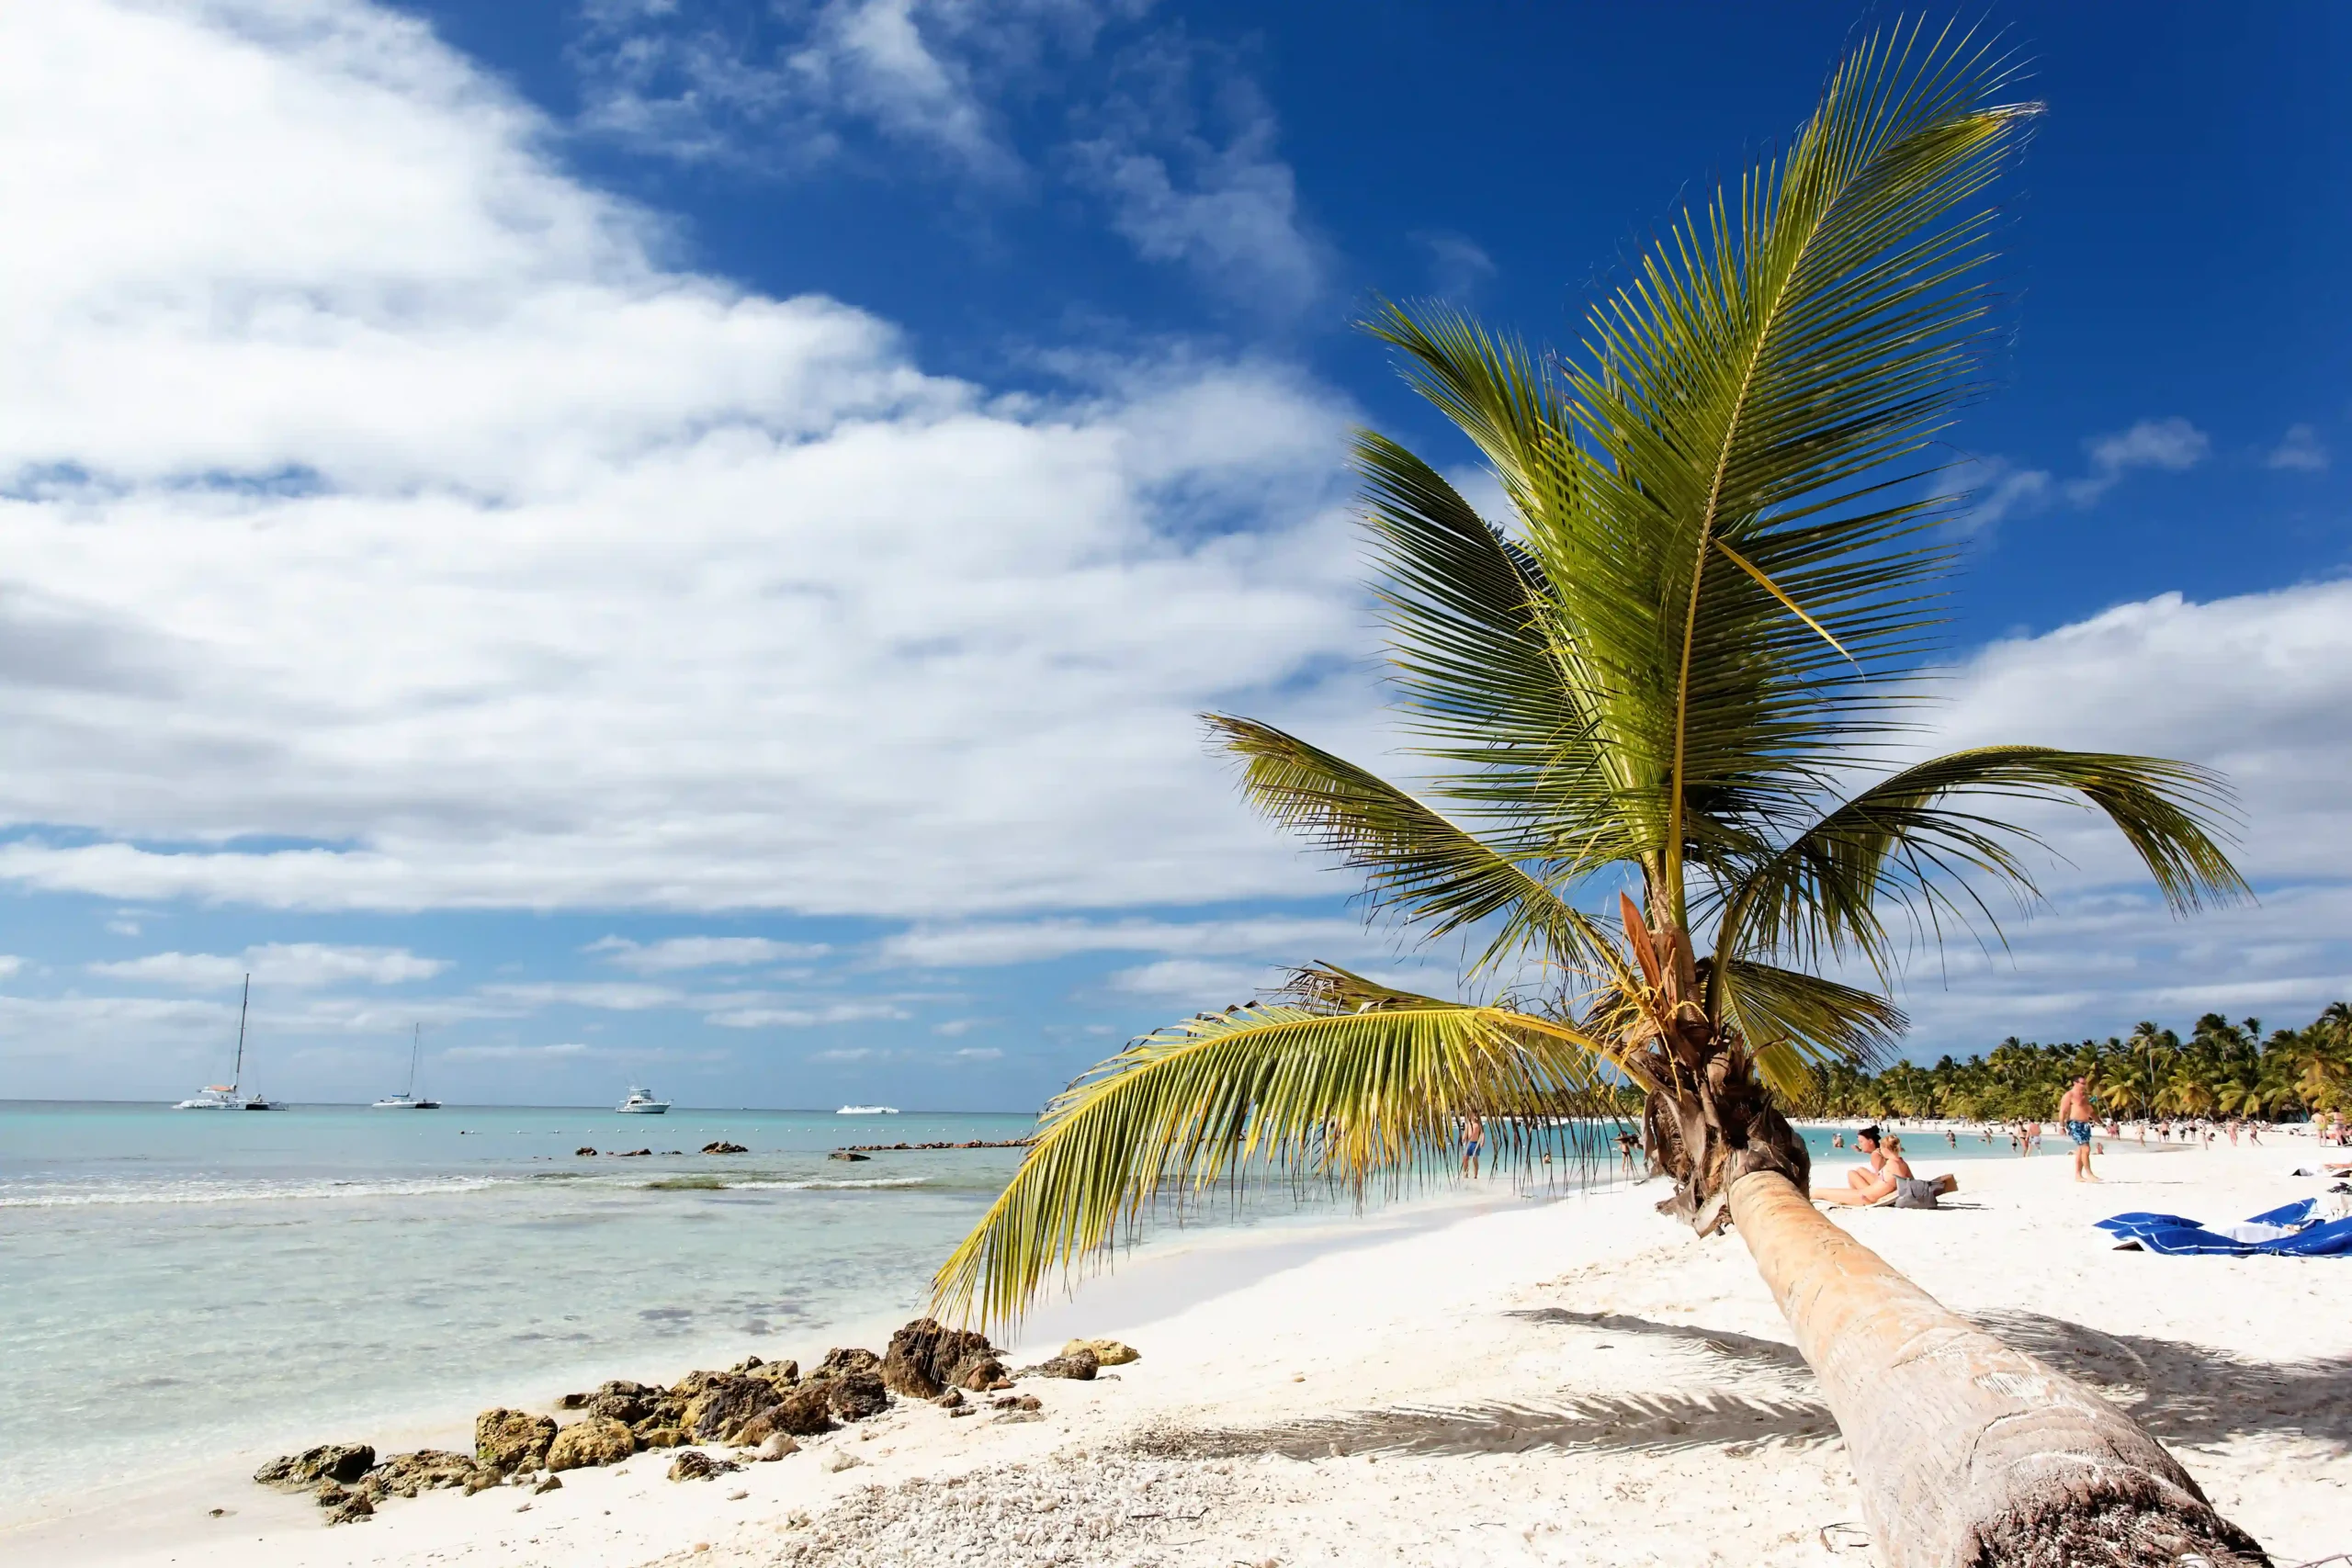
x,y
1663,677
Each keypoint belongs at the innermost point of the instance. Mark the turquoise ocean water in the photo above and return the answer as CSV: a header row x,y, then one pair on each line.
x,y
219,1281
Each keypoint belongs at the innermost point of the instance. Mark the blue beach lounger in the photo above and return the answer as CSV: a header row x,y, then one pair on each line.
x,y
2291,1230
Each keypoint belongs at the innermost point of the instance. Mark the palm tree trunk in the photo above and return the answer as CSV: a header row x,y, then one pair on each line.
x,y
1969,1454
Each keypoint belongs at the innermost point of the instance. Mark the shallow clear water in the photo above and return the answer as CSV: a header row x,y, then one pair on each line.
x,y
219,1281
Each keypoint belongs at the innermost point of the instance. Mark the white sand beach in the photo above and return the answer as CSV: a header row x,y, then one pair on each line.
x,y
1499,1380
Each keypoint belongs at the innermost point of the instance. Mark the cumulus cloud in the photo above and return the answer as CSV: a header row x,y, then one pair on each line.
x,y
413,536
2254,686
2171,445
677,952
298,965
2299,449
10,963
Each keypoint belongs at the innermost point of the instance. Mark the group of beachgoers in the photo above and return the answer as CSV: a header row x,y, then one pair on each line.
x,y
1888,1178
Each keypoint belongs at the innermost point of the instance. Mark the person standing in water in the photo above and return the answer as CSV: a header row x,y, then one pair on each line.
x,y
1473,1137
2075,1110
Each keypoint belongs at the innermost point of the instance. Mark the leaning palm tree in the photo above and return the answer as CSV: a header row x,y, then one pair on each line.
x,y
1661,699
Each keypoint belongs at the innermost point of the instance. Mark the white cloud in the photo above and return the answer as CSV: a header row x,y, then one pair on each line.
x,y
1029,942
1997,491
2255,687
978,1053
2299,449
507,1052
123,928
1204,189
75,1031
1197,983
378,489
1459,266
10,963
785,88
298,965
2172,445
674,953
612,995
804,1017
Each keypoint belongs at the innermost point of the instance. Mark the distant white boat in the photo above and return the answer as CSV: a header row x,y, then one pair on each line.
x,y
408,1101
640,1103
228,1096
868,1111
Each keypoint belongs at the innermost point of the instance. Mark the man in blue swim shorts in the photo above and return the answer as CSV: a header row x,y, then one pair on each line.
x,y
2074,1110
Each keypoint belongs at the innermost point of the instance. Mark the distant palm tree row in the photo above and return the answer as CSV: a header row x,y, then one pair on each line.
x,y
2223,1069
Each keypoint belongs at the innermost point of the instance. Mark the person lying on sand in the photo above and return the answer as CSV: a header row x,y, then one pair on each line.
x,y
1887,1176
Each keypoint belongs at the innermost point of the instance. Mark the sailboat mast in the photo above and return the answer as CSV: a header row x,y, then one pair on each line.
x,y
237,1077
415,1050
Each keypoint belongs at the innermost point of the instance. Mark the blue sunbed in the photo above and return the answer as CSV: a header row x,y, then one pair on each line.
x,y
2292,1230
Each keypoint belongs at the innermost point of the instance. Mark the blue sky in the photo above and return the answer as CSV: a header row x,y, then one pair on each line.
x,y
682,542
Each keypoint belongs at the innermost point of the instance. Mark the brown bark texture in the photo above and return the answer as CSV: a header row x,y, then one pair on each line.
x,y
1969,1454
1723,1128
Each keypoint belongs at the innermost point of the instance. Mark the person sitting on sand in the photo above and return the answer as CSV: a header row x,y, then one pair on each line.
x,y
1887,1174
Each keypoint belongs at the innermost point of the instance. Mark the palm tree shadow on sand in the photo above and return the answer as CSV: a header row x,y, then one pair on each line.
x,y
2194,1394
2183,1392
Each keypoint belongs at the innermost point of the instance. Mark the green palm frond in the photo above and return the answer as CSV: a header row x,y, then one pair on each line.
x,y
1715,497
1498,393
1715,582
1790,1020
1429,871
1490,683
1902,844
1327,988
1258,1088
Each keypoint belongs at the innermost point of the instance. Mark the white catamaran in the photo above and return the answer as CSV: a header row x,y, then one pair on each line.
x,y
868,1111
229,1096
408,1101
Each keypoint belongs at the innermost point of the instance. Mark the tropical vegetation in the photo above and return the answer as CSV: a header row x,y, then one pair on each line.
x,y
1665,706
2222,1070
